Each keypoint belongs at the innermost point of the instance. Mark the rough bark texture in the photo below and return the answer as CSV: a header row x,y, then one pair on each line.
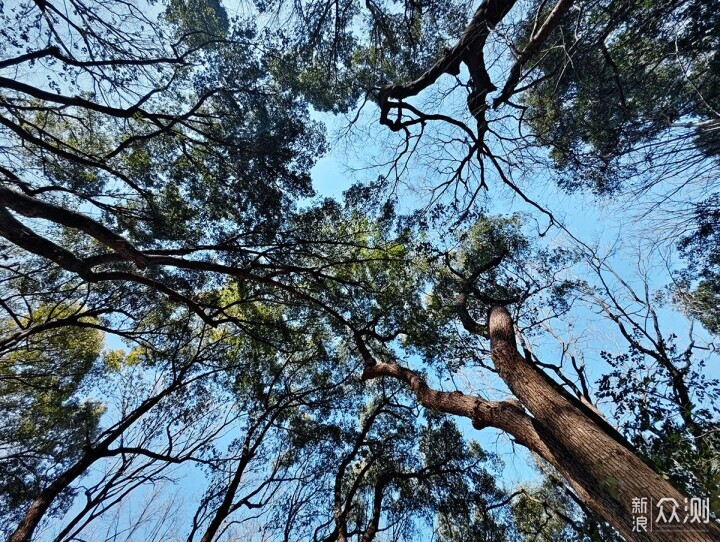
x,y
609,474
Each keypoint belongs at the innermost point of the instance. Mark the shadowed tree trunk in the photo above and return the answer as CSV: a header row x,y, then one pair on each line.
x,y
606,475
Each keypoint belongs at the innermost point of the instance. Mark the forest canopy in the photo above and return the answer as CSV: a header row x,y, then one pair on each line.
x,y
359,271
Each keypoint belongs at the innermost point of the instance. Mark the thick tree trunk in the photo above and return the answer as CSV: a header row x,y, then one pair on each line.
x,y
604,472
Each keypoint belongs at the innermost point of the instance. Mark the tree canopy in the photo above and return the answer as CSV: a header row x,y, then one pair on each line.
x,y
197,344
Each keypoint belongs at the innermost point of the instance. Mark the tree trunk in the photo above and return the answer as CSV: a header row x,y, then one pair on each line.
x,y
605,474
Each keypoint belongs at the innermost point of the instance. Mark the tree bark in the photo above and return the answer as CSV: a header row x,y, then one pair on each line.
x,y
606,474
